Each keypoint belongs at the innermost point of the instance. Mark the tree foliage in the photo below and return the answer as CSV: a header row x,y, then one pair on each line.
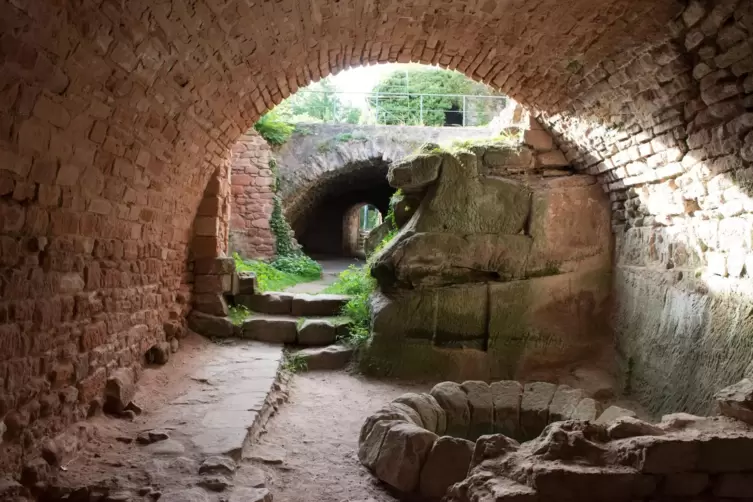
x,y
437,110
319,102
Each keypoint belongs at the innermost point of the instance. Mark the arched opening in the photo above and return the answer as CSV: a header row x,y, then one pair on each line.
x,y
358,222
115,119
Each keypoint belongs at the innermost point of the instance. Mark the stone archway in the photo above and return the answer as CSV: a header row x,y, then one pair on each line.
x,y
115,116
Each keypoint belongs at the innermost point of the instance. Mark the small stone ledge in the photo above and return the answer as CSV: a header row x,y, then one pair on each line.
x,y
422,443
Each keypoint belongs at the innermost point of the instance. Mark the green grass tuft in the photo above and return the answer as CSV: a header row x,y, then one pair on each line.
x,y
270,278
294,363
238,314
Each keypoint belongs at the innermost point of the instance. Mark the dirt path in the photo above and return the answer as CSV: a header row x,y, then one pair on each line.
x,y
315,435
331,268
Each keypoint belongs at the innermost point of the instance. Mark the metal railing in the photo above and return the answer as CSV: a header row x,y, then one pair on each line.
x,y
394,108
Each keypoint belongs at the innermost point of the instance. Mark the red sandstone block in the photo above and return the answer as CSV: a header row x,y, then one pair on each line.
x,y
242,179
93,386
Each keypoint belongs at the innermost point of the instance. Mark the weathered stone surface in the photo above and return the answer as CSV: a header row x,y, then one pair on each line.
x,y
159,353
565,403
211,303
388,412
152,436
414,172
587,409
218,465
316,332
612,413
736,401
332,357
209,325
268,303
627,426
481,407
492,446
686,484
446,464
247,283
433,417
402,455
534,408
190,495
437,259
318,305
242,494
270,329
506,396
119,390
370,444
454,401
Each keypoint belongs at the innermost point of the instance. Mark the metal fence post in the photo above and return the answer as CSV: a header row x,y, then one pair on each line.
x,y
464,111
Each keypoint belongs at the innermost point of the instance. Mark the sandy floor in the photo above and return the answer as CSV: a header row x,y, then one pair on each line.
x,y
316,436
307,452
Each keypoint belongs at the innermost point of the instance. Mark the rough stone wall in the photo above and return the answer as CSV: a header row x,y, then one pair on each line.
x,y
253,197
502,269
318,155
115,115
673,148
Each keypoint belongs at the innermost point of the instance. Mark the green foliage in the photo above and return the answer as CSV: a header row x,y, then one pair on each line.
x,y
399,110
273,128
358,283
269,278
300,265
285,245
294,362
238,314
345,137
319,103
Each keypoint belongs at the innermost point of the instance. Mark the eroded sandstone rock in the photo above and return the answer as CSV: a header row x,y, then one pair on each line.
x,y
433,417
454,401
402,455
119,390
736,401
446,464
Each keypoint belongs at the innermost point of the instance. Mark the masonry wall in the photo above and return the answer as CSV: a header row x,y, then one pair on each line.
x,y
674,151
253,197
115,115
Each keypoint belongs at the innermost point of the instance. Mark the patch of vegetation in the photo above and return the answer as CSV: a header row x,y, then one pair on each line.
x,y
273,128
573,66
345,137
294,363
269,278
358,283
325,147
238,313
303,130
285,245
299,264
506,139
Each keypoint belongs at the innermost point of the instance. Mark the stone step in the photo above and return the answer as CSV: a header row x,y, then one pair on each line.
x,y
331,357
293,304
294,330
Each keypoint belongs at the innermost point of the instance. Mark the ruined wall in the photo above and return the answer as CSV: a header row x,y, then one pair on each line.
x,y
253,197
673,150
115,115
502,270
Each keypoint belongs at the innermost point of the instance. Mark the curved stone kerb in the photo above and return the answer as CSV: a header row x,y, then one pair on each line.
x,y
423,442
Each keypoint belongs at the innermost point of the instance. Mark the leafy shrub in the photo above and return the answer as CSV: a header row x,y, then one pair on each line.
x,y
273,129
300,265
238,314
358,283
